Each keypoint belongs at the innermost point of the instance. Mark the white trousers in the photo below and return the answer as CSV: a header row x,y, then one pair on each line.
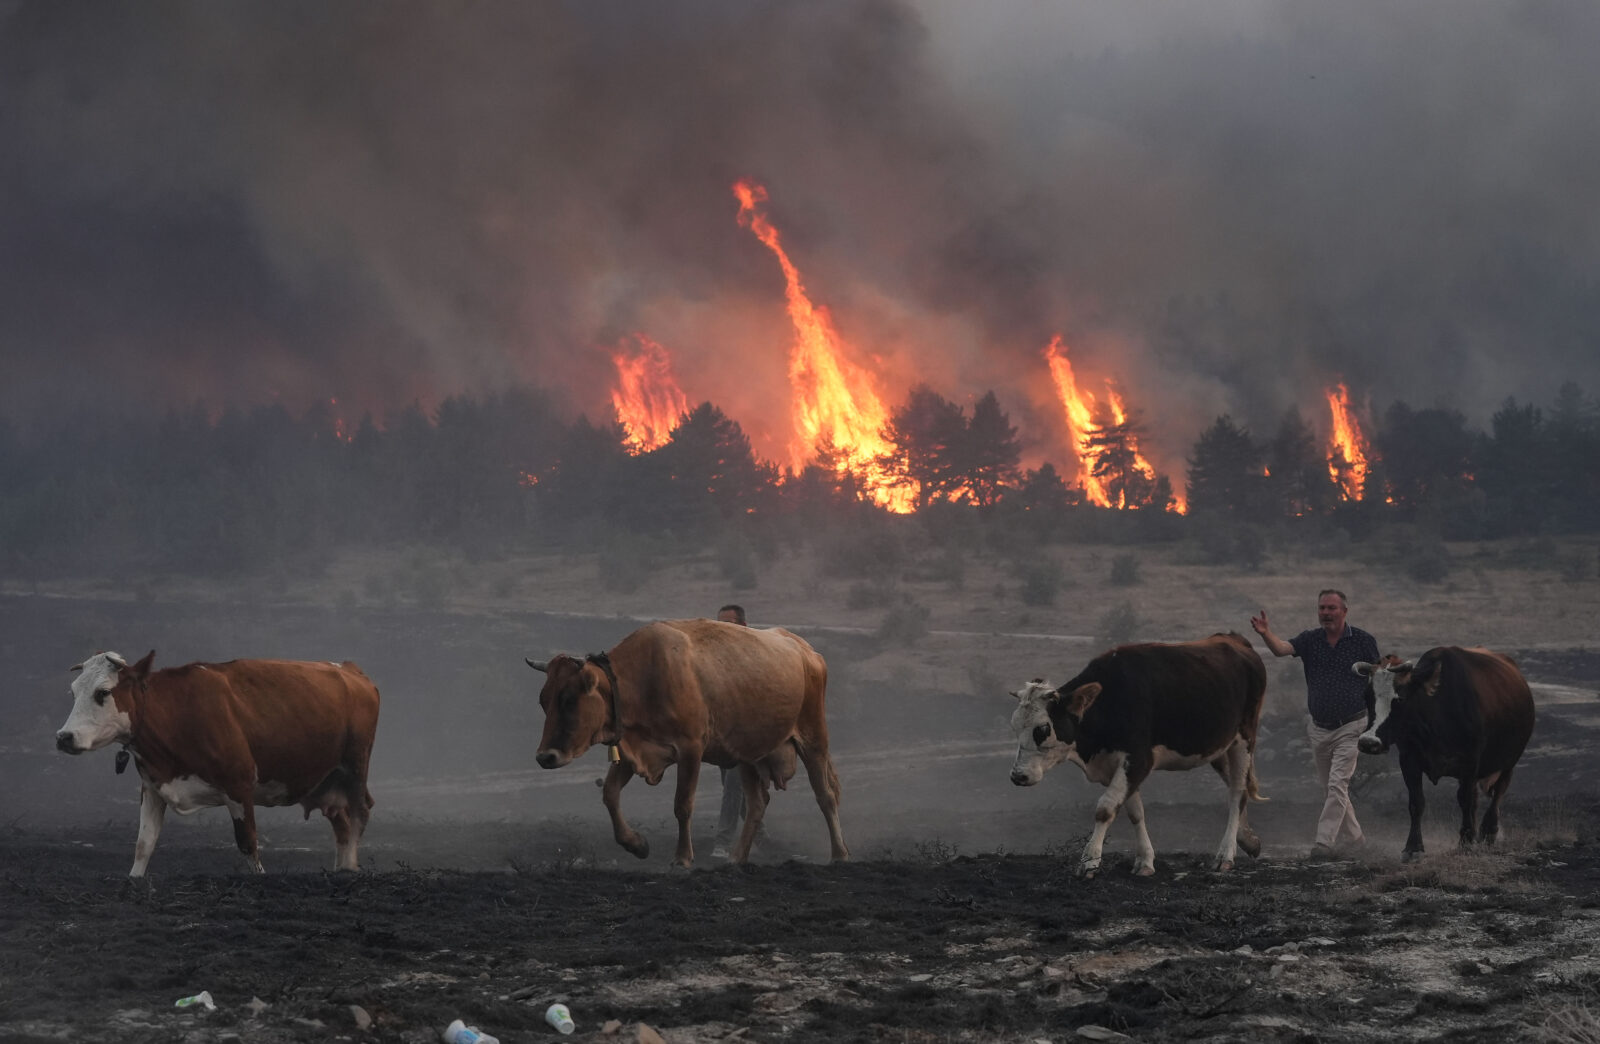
x,y
1335,753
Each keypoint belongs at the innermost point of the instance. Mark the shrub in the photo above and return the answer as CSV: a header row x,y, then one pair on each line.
x,y
1119,625
1041,580
736,560
1125,570
905,624
624,566
864,594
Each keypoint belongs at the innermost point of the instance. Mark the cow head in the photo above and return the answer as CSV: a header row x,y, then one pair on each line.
x,y
1046,723
104,696
1392,681
576,700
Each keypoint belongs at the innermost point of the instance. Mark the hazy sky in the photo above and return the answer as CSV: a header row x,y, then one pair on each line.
x,y
1223,205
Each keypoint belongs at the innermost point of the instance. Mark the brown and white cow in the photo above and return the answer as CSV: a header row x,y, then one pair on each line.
x,y
1149,706
241,734
1462,713
679,692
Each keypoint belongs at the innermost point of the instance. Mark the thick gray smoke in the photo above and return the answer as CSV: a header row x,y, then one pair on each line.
x,y
1223,206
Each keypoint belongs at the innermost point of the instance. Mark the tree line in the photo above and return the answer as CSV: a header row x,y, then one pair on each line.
x,y
250,489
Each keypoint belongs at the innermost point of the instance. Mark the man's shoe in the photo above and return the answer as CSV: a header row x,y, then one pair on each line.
x,y
719,852
1321,853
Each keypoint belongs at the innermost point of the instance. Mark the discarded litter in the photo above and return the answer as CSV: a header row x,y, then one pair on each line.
x,y
201,999
460,1033
558,1016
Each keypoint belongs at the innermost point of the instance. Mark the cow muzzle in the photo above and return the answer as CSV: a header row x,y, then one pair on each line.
x,y
1372,745
551,758
1023,779
67,743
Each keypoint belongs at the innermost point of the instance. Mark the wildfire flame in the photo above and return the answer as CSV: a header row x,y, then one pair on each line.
x,y
1084,413
1348,450
834,402
647,398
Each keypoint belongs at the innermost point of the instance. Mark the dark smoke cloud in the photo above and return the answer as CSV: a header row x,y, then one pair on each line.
x,y
1223,206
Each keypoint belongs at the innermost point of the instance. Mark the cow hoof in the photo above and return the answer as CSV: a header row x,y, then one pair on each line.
x,y
1087,871
1410,855
637,846
1224,865
1250,845
1144,871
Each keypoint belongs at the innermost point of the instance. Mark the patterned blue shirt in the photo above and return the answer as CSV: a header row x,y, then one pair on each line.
x,y
1335,694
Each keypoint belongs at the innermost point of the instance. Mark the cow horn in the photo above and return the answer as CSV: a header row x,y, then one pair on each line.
x,y
75,667
542,668
1363,668
1403,668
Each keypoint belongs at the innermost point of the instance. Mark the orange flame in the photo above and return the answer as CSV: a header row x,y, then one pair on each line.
x,y
1347,447
1083,413
834,403
647,398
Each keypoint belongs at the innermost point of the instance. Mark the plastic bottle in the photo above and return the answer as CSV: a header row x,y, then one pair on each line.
x,y
199,1000
460,1033
558,1016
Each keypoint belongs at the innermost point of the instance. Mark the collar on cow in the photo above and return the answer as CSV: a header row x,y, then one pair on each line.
x,y
603,661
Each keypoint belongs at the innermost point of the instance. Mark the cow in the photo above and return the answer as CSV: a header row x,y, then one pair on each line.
x,y
1143,707
1462,713
686,691
241,734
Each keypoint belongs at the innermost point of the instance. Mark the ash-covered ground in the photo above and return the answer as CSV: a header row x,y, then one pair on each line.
x,y
490,887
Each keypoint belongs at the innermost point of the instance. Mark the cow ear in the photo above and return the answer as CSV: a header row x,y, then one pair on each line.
x,y
542,668
141,670
1079,700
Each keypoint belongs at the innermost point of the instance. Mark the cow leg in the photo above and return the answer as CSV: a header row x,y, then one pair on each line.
x,y
1416,802
617,778
1144,863
1233,765
152,811
1491,815
244,830
1246,838
756,799
683,805
346,835
1105,810
825,785
1467,798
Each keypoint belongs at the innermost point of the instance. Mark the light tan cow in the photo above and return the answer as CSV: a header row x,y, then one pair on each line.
x,y
679,692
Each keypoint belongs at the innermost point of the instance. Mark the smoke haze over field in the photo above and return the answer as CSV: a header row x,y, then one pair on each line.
x,y
1225,207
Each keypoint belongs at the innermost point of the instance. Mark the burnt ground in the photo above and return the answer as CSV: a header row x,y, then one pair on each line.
x,y
930,946
490,888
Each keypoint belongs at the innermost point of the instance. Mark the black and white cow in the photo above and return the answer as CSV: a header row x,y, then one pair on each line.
x,y
1144,707
1462,713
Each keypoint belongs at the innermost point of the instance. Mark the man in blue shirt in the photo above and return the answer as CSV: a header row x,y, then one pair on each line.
x,y
1336,699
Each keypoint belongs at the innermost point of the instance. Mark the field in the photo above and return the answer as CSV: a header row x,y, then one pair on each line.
x,y
492,887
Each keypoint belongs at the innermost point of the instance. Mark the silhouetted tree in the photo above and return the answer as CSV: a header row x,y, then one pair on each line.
x,y
1114,449
989,452
1298,481
1225,470
1422,453
927,434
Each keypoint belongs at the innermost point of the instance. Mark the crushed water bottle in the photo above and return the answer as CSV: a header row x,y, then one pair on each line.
x,y
199,1000
460,1033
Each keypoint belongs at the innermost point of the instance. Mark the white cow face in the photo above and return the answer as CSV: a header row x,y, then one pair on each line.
x,y
1039,749
1386,676
95,721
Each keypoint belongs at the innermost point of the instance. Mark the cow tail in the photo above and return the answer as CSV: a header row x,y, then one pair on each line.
x,y
1251,790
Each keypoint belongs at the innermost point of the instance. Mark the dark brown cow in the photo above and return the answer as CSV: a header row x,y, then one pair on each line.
x,y
680,692
1462,713
240,734
1143,707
